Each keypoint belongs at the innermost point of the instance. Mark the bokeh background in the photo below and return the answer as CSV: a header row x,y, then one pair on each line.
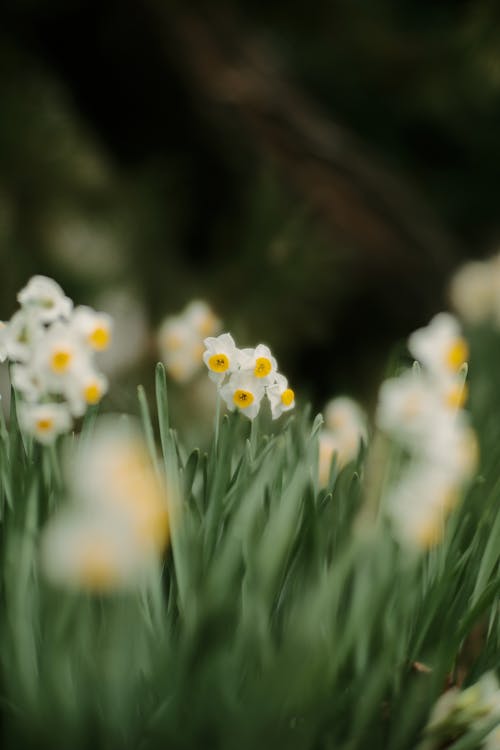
x,y
314,170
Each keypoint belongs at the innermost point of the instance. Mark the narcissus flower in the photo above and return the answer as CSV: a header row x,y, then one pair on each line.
x,y
95,328
243,392
261,363
44,421
440,346
280,396
221,356
85,389
180,339
45,297
91,552
407,405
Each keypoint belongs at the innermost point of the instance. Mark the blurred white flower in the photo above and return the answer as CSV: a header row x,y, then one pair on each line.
x,y
407,406
45,297
94,327
85,389
201,318
243,392
474,290
114,472
44,421
440,346
280,396
90,552
20,334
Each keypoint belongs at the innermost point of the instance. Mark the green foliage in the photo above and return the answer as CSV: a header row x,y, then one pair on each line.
x,y
284,614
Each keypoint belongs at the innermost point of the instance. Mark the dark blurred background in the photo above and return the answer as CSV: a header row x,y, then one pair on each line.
x,y
314,170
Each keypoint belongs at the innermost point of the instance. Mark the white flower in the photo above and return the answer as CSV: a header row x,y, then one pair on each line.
x,y
243,392
94,327
440,346
44,421
27,381
130,331
45,297
94,552
474,289
113,472
345,417
20,335
59,356
175,335
261,363
220,356
280,396
452,444
420,503
407,406
85,389
201,318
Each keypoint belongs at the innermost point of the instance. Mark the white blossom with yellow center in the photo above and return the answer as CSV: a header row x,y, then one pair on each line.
x,y
60,356
281,396
45,297
44,421
85,389
95,328
114,472
440,346
420,503
28,382
260,362
202,319
343,415
244,393
92,552
407,406
220,356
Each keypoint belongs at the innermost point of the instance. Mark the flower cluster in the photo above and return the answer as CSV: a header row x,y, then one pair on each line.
x,y
344,430
422,410
51,347
459,711
245,376
180,339
475,291
118,522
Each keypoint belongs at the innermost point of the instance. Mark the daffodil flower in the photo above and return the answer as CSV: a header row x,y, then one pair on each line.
x,y
440,346
95,328
85,389
44,421
260,362
221,356
244,393
45,297
280,396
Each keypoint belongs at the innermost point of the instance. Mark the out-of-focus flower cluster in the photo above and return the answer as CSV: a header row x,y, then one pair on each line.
x,y
345,428
475,291
421,410
51,348
458,711
180,339
117,525
245,376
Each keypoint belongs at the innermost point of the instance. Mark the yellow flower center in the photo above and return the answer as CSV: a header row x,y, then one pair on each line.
x,y
92,393
456,396
99,338
243,398
457,354
287,397
430,532
44,424
263,367
218,363
98,571
61,360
